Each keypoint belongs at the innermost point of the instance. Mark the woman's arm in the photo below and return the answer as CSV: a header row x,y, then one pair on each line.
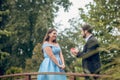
x,y
62,59
51,55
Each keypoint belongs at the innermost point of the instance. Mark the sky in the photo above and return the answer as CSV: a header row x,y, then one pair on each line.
x,y
63,17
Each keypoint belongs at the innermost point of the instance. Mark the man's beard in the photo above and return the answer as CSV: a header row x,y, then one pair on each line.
x,y
84,36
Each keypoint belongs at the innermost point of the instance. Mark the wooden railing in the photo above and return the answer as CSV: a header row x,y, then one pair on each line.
x,y
27,76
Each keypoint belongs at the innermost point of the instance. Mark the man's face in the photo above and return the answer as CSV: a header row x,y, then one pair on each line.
x,y
83,33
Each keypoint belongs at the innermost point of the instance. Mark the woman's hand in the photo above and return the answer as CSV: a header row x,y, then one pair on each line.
x,y
62,66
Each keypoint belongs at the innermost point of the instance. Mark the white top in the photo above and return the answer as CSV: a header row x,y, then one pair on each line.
x,y
86,39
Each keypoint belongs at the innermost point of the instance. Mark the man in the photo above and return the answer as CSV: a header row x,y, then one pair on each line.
x,y
90,55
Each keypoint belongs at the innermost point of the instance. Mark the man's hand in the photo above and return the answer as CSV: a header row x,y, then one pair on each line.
x,y
74,51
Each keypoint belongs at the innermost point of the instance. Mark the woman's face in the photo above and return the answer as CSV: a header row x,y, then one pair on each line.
x,y
53,35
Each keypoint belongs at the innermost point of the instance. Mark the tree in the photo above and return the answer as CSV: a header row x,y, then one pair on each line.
x,y
28,20
4,34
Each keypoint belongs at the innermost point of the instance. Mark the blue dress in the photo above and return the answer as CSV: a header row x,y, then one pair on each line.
x,y
49,66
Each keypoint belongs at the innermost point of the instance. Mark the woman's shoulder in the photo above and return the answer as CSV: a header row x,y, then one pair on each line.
x,y
49,44
57,44
45,44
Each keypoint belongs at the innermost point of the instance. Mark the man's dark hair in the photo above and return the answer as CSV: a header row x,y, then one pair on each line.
x,y
87,27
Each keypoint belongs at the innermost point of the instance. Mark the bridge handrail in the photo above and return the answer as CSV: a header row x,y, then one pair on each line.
x,y
55,73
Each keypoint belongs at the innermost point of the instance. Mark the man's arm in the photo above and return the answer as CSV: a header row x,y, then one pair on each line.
x,y
79,54
90,46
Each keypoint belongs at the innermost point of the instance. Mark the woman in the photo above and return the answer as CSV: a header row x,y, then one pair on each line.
x,y
53,58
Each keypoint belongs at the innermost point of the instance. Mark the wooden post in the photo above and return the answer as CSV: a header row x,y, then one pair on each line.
x,y
72,78
28,77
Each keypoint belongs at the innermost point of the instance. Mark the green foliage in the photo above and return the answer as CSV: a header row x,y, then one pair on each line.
x,y
112,69
4,32
34,63
3,13
13,70
3,55
68,39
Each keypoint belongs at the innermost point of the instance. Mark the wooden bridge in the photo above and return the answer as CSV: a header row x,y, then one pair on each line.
x,y
29,76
